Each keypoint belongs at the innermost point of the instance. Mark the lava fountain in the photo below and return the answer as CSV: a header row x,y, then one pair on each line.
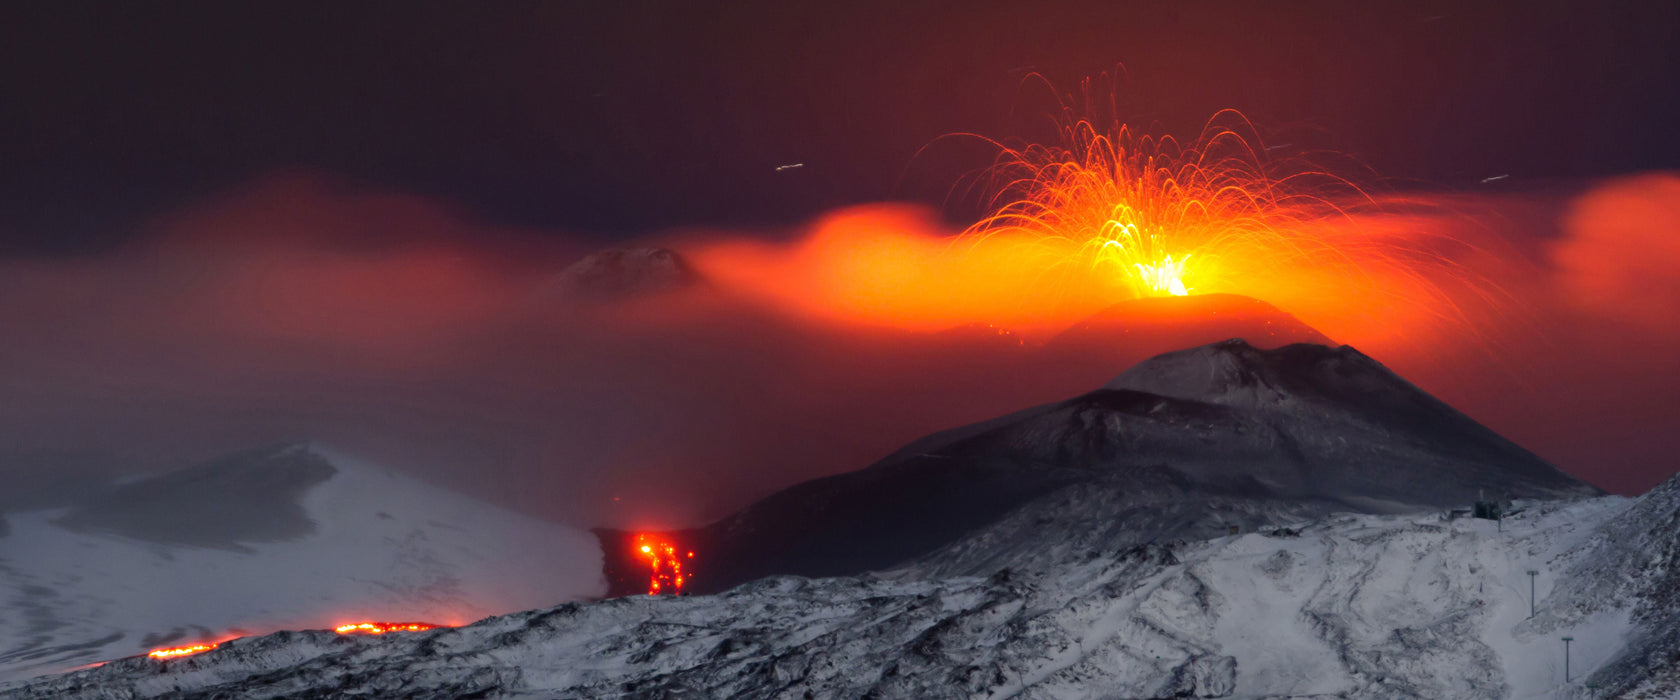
x,y
1157,217
1109,213
1104,214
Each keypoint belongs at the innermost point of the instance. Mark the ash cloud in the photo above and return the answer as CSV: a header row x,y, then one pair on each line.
x,y
404,332
393,328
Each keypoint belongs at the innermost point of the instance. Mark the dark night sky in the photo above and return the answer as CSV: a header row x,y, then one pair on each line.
x,y
621,118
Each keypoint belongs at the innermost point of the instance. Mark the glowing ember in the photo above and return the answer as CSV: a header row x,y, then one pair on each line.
x,y
383,627
1166,276
177,652
665,565
1142,208
1107,213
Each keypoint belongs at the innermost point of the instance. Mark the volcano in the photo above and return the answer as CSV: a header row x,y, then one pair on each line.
x,y
1185,445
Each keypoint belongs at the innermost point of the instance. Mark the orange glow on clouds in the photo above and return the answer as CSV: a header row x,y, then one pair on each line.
x,y
888,265
1620,252
893,266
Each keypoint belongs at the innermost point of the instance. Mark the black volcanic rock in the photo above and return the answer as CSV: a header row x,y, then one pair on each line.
x,y
1359,429
1185,444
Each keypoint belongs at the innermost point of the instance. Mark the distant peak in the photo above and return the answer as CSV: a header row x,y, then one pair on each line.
x,y
619,273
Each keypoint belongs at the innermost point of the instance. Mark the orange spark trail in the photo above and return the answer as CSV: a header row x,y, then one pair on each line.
x,y
1151,216
1156,217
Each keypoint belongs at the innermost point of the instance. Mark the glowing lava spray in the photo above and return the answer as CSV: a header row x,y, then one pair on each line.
x,y
665,565
1109,213
1158,216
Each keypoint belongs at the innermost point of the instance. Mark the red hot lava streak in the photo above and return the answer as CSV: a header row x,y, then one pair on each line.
x,y
383,627
665,566
168,653
178,652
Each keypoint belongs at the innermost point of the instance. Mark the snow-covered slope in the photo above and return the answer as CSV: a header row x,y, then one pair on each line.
x,y
1421,605
284,538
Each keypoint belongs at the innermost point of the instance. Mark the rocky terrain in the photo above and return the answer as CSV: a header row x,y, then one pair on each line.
x,y
1422,605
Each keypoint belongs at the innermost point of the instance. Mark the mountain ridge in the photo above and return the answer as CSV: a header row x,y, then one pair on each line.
x,y
1332,450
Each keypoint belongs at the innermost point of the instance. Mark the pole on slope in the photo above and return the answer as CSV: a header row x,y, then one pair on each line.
x,y
1531,575
1566,641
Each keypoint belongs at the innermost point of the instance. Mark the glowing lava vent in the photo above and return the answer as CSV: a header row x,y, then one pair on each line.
x,y
665,566
178,652
383,627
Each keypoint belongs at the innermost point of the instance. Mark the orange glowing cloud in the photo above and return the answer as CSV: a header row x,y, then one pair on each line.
x,y
896,266
1621,250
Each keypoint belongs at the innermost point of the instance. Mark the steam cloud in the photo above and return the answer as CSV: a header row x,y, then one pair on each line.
x,y
401,331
